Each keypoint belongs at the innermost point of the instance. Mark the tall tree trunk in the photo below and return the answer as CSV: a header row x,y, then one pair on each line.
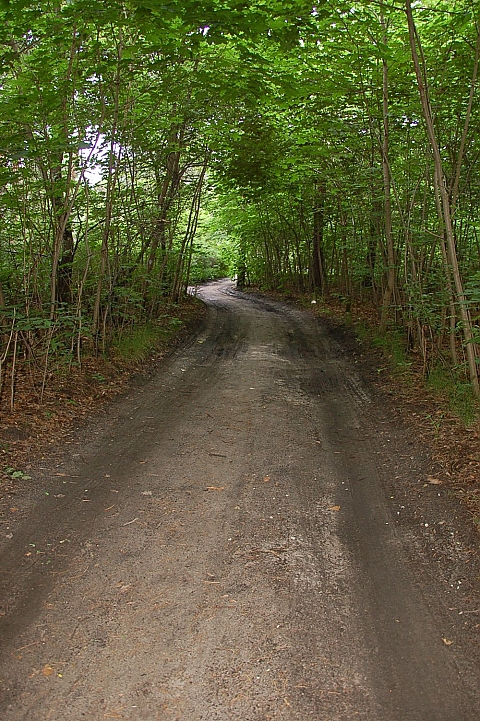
x,y
468,114
441,187
196,216
186,248
389,294
63,245
372,242
242,264
65,267
113,168
317,267
112,173
166,196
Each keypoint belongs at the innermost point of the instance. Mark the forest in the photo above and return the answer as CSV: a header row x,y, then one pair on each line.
x,y
328,150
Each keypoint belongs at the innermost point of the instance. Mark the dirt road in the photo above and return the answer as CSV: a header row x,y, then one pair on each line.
x,y
241,538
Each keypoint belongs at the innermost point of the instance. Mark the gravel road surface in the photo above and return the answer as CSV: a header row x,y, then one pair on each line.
x,y
237,539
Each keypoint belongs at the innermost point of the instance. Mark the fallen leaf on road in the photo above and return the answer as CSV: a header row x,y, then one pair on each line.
x,y
447,641
47,670
215,488
266,479
334,508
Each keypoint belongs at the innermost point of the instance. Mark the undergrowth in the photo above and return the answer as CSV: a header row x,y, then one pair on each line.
x,y
452,391
456,391
137,343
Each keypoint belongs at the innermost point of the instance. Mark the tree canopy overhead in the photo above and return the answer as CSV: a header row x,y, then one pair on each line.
x,y
328,148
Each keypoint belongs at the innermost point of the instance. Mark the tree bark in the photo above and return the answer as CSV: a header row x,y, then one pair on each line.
x,y
317,267
389,294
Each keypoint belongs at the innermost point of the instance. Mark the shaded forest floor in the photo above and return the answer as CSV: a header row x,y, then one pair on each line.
x,y
33,428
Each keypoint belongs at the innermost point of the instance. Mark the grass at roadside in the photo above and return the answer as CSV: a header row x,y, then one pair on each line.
x,y
136,344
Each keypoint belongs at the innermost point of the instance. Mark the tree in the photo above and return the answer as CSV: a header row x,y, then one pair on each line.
x,y
332,172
